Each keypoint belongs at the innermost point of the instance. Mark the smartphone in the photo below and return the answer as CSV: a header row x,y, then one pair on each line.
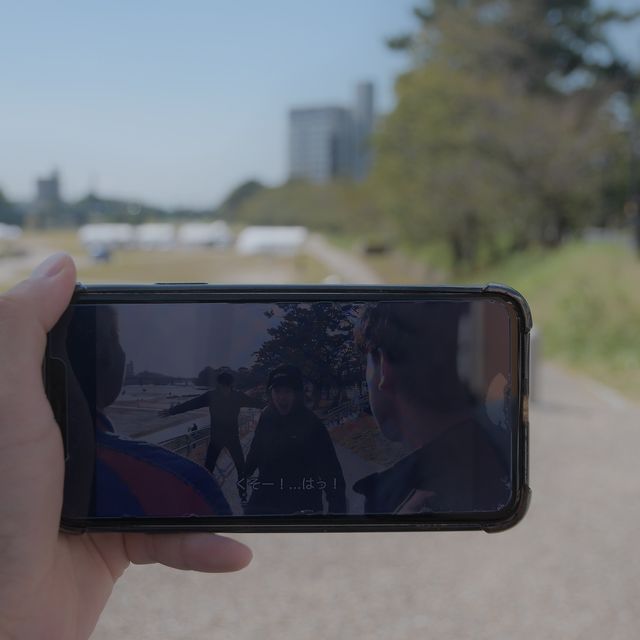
x,y
225,408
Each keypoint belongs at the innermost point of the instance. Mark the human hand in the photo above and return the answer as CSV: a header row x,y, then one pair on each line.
x,y
55,585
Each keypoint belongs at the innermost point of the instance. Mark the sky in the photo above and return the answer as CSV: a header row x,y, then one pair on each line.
x,y
175,103
180,340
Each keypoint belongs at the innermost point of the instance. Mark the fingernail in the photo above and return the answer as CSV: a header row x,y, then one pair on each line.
x,y
51,266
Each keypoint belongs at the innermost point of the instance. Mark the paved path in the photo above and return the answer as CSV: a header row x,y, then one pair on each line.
x,y
343,264
571,570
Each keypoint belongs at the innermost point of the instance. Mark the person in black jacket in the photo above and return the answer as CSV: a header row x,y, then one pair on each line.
x,y
224,404
293,454
417,397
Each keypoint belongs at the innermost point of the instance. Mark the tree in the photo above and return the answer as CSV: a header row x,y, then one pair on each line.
x,y
237,197
327,207
540,44
8,212
318,339
503,134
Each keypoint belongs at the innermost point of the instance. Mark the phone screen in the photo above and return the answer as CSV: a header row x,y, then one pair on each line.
x,y
288,409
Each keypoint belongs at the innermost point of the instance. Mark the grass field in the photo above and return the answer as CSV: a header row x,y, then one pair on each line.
x,y
179,265
219,266
585,300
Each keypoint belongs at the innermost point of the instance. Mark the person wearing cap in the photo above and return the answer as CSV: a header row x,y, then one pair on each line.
x,y
293,454
417,397
224,403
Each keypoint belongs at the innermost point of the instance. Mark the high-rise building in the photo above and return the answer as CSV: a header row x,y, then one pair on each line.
x,y
48,190
332,142
48,208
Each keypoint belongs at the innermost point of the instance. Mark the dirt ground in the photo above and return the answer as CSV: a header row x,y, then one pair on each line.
x,y
570,570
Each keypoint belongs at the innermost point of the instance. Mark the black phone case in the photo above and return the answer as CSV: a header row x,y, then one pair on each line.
x,y
203,292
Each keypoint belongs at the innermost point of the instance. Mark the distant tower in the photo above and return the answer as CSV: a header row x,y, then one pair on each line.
x,y
48,190
48,208
364,122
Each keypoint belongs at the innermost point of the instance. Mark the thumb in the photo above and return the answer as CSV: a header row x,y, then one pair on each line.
x,y
46,294
31,455
27,313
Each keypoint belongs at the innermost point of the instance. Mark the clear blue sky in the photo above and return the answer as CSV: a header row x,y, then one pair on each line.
x,y
177,102
174,102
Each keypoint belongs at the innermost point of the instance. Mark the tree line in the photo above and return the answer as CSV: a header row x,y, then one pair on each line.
x,y
511,129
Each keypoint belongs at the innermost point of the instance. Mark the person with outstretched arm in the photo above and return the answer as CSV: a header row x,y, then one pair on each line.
x,y
224,403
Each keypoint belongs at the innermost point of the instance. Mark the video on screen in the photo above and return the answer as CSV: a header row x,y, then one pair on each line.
x,y
291,408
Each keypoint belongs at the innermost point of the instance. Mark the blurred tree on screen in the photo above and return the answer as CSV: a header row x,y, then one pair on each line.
x,y
509,127
318,339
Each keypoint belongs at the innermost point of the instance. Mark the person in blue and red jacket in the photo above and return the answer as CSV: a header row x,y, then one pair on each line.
x,y
132,478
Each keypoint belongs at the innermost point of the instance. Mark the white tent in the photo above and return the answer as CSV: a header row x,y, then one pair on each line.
x,y
271,240
155,235
205,234
9,231
111,235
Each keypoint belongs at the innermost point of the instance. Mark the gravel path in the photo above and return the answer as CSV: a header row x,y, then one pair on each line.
x,y
570,570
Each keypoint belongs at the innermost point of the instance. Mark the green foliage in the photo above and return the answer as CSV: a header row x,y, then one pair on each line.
x,y
9,214
538,43
237,197
503,135
92,208
585,303
332,207
318,340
